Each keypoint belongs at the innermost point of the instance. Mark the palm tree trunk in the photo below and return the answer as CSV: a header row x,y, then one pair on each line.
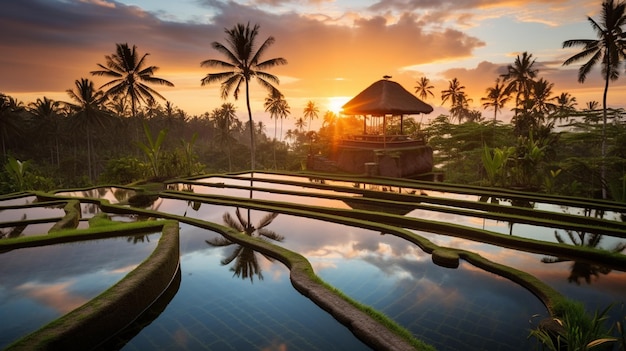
x,y
603,165
274,141
89,154
252,148
493,129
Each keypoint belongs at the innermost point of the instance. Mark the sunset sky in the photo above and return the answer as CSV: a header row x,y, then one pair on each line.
x,y
334,49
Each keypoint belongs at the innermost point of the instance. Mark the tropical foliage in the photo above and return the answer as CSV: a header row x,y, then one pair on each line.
x,y
574,329
609,49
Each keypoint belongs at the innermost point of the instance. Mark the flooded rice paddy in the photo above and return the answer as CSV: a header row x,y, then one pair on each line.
x,y
231,298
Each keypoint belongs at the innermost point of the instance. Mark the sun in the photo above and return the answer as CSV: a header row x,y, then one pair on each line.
x,y
335,102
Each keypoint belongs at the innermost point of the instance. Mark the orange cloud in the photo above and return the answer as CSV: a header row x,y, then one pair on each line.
x,y
51,44
55,296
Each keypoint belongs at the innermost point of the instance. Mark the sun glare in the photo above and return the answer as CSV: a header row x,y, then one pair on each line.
x,y
335,103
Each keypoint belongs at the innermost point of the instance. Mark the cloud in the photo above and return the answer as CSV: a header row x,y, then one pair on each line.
x,y
50,44
53,43
469,13
478,79
55,296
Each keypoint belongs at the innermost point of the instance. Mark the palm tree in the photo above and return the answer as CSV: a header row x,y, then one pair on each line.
x,y
311,111
152,108
242,64
300,124
520,76
246,264
565,105
423,88
329,119
278,107
10,109
497,97
260,130
130,74
225,120
592,105
289,135
540,96
119,105
458,98
47,119
584,270
87,113
609,49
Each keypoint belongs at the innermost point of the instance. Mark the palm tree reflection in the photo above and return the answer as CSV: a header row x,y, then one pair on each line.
x,y
246,264
188,188
583,270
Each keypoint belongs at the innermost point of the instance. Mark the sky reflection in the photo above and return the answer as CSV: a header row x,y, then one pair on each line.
x,y
399,279
40,284
215,309
215,306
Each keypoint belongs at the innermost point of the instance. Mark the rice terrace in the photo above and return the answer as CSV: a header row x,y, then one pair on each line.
x,y
372,175
374,253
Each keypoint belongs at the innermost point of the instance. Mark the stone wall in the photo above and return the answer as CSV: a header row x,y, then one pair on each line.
x,y
399,162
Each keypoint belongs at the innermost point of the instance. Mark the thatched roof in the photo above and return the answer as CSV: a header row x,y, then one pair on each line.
x,y
385,97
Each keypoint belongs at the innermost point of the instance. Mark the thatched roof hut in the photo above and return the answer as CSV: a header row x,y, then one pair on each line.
x,y
375,152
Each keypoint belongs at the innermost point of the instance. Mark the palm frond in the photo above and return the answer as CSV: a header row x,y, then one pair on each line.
x,y
579,42
219,241
586,67
270,234
147,93
234,60
257,56
219,63
106,72
234,254
140,63
271,63
232,84
159,81
115,63
230,222
267,219
267,77
216,77
245,223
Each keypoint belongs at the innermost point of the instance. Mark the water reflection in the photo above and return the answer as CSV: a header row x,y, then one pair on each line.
x,y
14,232
246,263
40,284
384,272
516,202
584,270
